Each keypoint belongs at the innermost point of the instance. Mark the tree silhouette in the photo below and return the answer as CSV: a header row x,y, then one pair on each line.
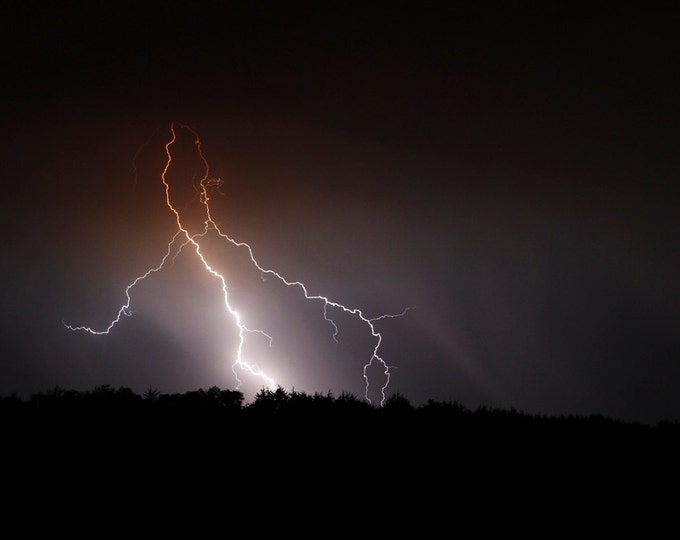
x,y
151,394
292,419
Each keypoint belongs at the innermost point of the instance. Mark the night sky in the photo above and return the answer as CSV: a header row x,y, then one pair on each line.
x,y
511,172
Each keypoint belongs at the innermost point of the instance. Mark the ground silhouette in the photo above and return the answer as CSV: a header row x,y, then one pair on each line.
x,y
219,413
323,442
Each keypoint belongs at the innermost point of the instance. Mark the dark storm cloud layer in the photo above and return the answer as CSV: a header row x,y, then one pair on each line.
x,y
512,172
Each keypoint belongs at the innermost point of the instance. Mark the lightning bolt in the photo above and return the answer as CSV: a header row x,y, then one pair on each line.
x,y
183,239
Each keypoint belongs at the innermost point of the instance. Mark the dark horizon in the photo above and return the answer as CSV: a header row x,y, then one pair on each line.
x,y
221,407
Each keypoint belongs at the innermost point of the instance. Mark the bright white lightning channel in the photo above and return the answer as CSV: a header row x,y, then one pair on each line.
x,y
183,239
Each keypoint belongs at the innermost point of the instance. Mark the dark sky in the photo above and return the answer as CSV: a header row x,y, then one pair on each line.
x,y
510,171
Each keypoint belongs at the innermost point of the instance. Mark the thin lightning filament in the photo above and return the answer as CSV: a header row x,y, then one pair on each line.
x,y
182,239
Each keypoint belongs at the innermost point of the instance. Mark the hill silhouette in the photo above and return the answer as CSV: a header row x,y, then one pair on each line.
x,y
298,414
307,442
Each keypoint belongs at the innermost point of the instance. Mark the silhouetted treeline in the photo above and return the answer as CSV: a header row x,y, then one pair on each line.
x,y
320,437
274,409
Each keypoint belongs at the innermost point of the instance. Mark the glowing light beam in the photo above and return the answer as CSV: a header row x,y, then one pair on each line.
x,y
184,239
